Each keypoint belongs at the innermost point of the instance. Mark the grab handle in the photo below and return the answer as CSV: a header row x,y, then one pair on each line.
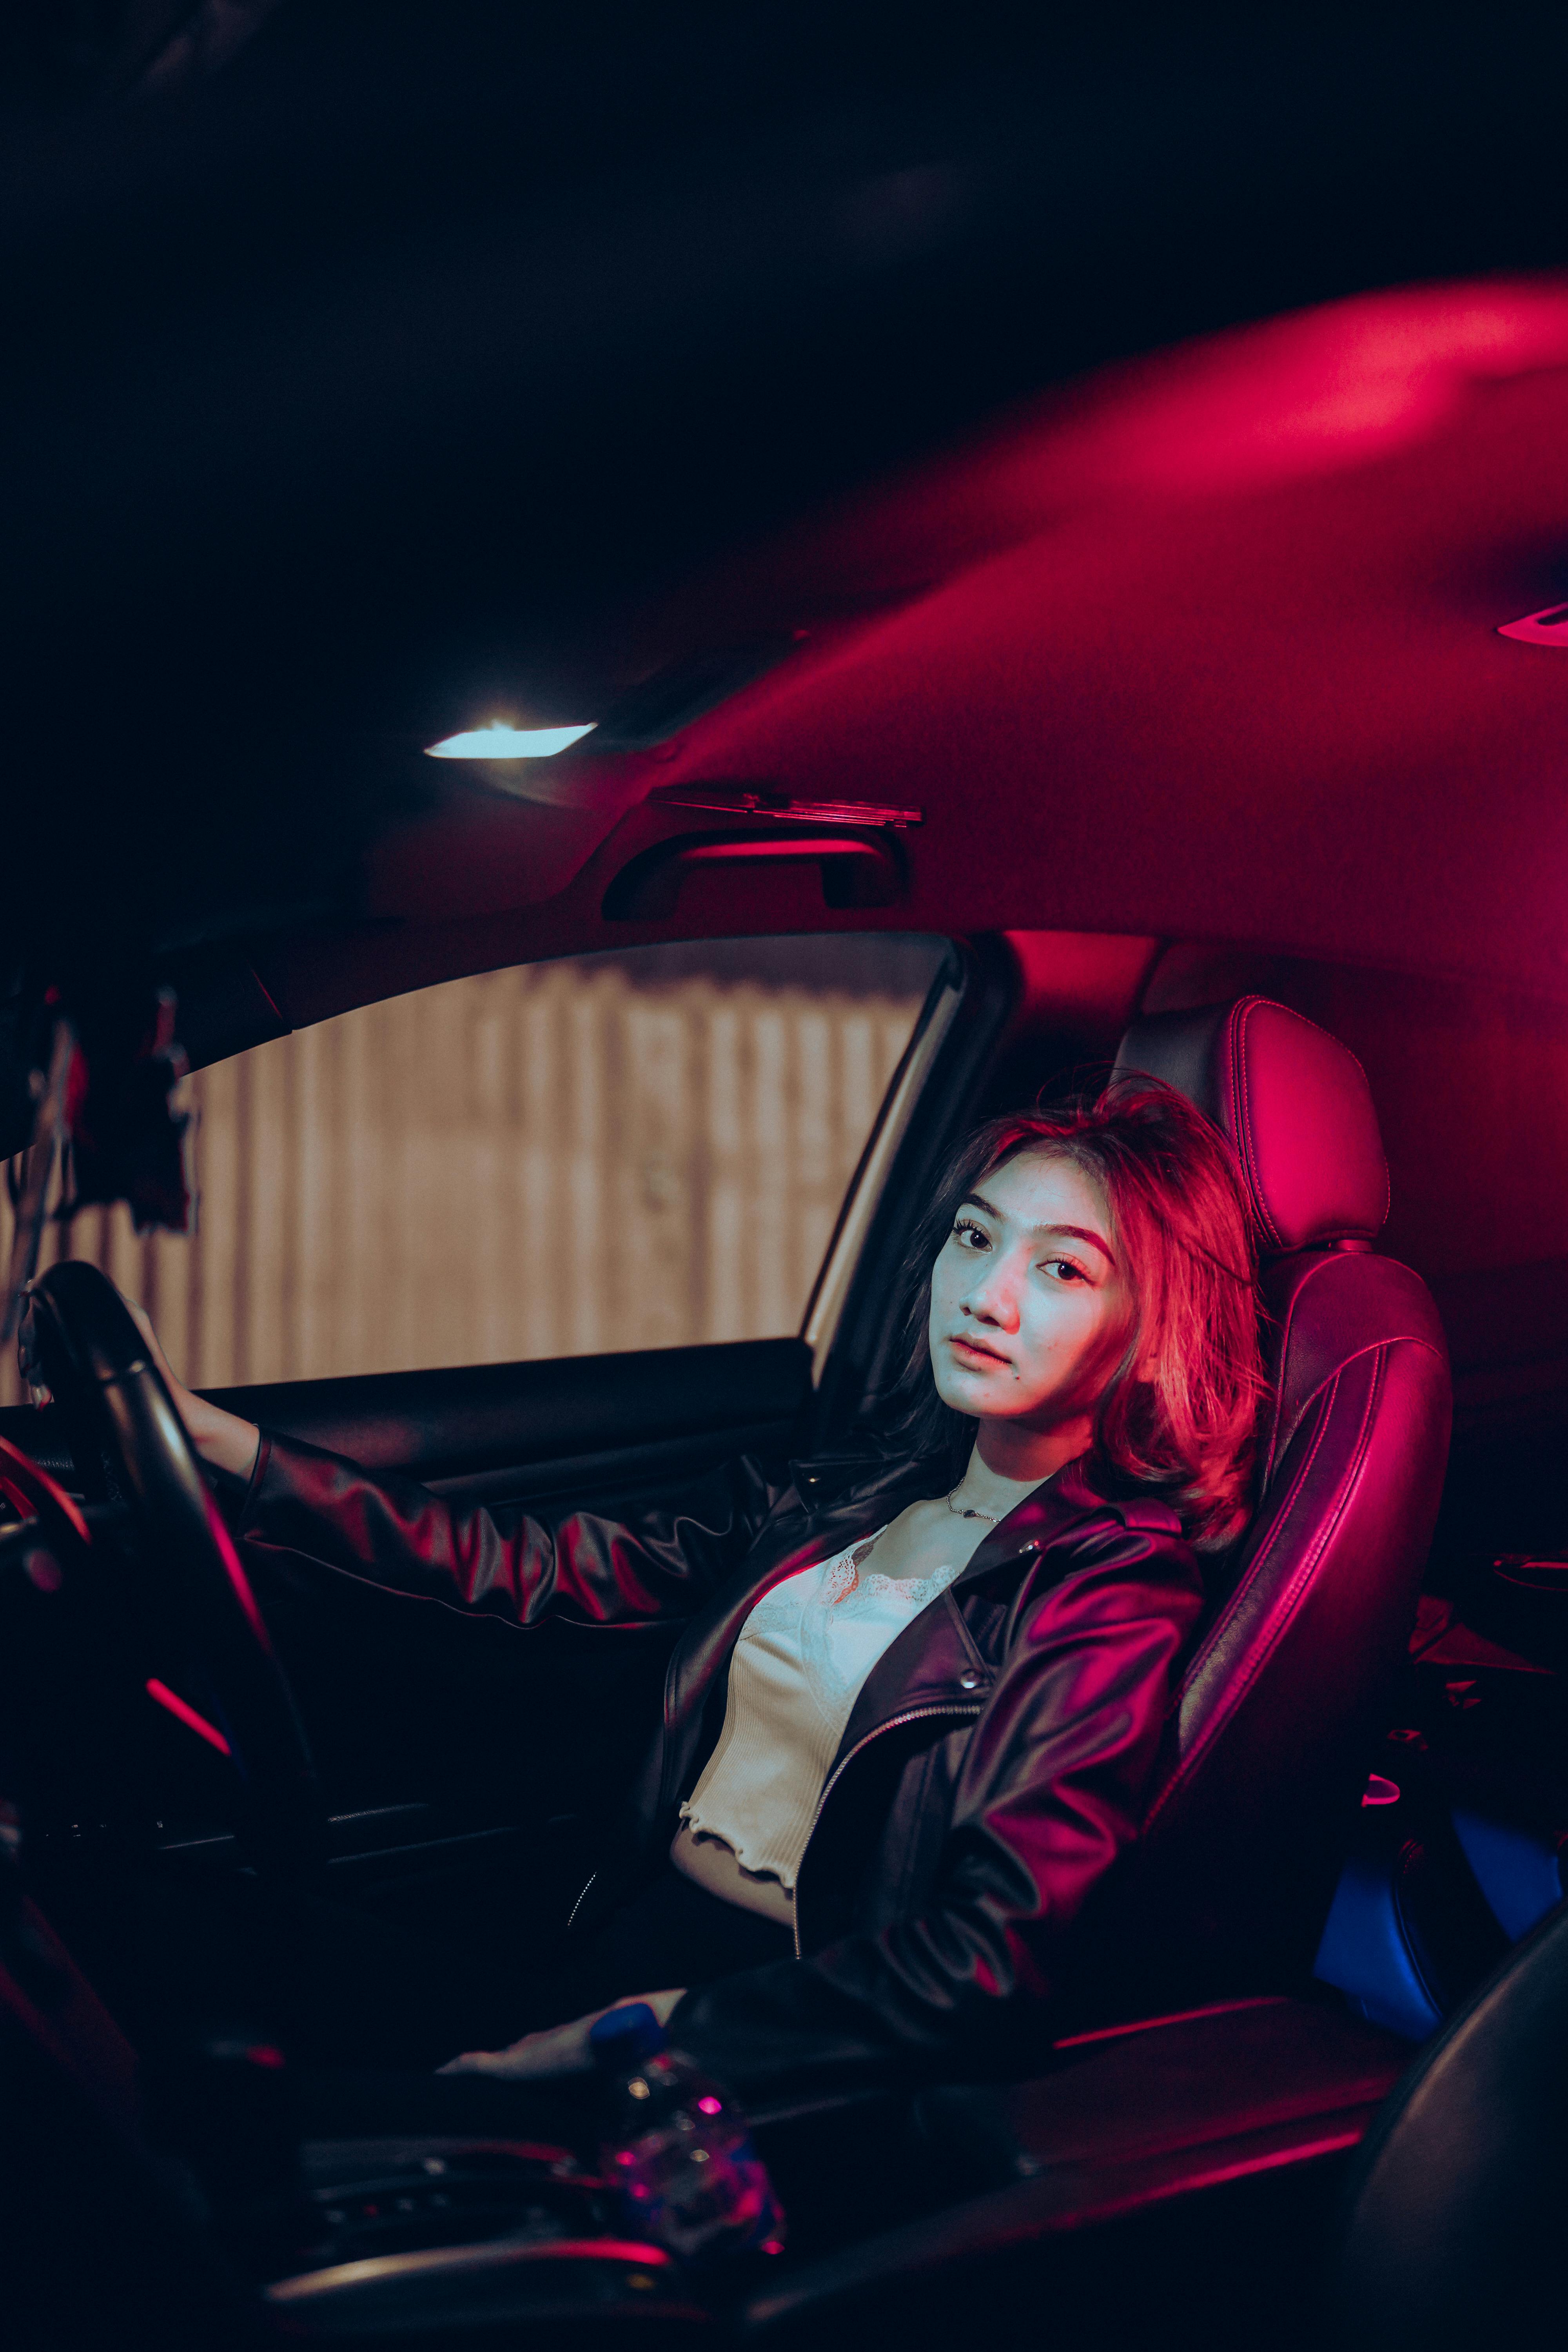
x,y
856,871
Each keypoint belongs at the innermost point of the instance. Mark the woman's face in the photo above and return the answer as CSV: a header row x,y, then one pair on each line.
x,y
1029,1308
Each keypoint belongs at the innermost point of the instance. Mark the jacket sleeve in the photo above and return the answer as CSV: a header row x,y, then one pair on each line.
x,y
1052,1788
311,1511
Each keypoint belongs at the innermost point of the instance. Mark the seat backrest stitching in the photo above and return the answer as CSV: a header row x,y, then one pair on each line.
x,y
1281,1511
1280,1616
1259,1563
1389,1339
1284,1613
1274,1448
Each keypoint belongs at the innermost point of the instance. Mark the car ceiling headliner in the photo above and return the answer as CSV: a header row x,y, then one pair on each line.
x,y
1211,651
352,412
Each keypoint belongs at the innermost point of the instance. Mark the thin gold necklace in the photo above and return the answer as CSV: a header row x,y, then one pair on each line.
x,y
960,1512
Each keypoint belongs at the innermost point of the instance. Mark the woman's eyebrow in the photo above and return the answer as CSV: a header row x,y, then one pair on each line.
x,y
1043,1232
1078,1232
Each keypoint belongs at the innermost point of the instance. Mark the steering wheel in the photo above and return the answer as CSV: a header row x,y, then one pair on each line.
x,y
127,1438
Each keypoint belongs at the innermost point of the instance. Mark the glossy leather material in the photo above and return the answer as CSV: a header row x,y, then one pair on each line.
x,y
997,1761
1293,1101
992,1782
320,1509
1267,1748
1454,2213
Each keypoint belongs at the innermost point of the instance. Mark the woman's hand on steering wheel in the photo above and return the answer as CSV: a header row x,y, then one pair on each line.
x,y
134,1433
219,1437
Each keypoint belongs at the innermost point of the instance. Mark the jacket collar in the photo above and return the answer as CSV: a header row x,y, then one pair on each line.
x,y
845,1496
824,1481
821,1480
933,1664
1068,1493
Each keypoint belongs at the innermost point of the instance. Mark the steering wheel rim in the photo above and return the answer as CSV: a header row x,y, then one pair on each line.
x,y
29,1489
120,1417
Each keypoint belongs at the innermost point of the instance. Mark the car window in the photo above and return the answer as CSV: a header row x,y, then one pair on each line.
x,y
645,1149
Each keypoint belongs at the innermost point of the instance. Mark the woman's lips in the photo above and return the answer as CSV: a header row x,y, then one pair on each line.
x,y
974,1348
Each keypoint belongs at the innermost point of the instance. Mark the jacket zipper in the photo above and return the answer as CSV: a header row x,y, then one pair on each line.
x,y
582,1899
894,1723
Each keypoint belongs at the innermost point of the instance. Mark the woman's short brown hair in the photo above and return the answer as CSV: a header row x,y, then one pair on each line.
x,y
1181,1410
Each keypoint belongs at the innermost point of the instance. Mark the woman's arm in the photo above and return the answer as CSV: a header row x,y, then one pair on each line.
x,y
219,1437
313,1510
320,1510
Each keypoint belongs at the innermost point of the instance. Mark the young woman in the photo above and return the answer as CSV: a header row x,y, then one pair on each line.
x,y
913,1714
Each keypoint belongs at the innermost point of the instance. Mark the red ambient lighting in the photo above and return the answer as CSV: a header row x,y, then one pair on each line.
x,y
1311,391
182,1712
1545,628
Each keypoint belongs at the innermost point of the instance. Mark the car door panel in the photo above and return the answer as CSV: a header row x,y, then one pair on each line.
x,y
575,1424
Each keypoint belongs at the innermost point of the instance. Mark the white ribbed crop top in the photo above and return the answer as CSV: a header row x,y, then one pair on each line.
x,y
797,1669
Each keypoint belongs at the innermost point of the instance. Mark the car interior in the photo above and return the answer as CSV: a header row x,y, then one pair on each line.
x,y
1354,1821
1168,685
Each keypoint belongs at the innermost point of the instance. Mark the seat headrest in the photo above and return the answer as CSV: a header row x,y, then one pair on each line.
x,y
1293,1101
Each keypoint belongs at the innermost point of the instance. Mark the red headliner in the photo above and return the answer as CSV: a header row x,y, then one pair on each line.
x,y
1203,647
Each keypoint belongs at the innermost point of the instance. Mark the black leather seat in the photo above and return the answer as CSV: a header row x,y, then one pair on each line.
x,y
1268,1745
1459,2190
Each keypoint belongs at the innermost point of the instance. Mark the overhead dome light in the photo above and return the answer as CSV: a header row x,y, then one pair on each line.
x,y
499,741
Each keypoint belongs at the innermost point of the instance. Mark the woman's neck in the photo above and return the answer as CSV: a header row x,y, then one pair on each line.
x,y
1008,1462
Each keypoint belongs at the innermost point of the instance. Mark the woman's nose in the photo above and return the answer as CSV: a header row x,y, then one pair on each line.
x,y
992,1300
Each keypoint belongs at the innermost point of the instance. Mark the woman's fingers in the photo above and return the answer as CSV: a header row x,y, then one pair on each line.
x,y
558,2051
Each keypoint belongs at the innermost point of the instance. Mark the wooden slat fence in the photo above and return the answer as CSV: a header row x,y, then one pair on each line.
x,y
554,1161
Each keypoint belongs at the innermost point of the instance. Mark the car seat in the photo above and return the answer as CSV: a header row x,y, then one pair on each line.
x,y
1453,2210
1269,1735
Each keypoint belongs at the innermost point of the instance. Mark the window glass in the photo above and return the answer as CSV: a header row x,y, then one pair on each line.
x,y
646,1149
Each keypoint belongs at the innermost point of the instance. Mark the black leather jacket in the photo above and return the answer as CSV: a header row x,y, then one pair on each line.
x,y
996,1764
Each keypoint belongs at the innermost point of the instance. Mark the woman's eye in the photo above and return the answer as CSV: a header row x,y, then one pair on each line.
x,y
1064,1270
968,1237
